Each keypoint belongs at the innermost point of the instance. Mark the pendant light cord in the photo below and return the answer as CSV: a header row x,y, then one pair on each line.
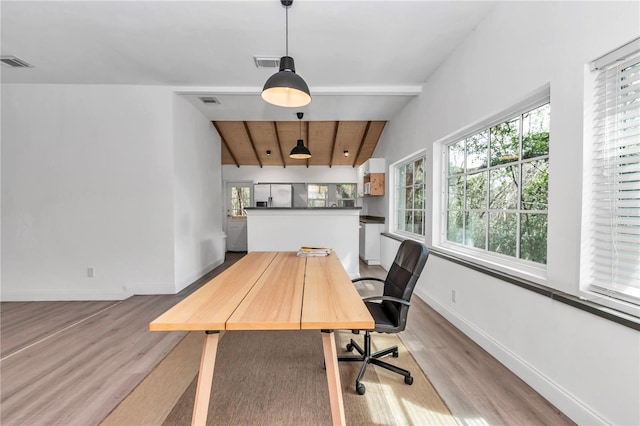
x,y
286,49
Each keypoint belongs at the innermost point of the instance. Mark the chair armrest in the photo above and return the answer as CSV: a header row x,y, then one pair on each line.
x,y
388,298
355,280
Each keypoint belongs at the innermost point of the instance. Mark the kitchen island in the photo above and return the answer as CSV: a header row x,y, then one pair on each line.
x,y
289,228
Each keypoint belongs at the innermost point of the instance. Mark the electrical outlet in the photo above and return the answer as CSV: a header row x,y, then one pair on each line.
x,y
91,272
453,296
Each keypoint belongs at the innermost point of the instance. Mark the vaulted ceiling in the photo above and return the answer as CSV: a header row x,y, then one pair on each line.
x,y
247,142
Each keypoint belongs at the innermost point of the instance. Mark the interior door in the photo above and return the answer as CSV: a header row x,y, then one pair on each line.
x,y
239,195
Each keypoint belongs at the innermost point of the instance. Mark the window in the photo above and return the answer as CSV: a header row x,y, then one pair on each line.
x,y
612,177
409,197
331,194
317,195
346,194
496,186
240,198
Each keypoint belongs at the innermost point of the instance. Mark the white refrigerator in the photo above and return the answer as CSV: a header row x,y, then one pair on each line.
x,y
273,195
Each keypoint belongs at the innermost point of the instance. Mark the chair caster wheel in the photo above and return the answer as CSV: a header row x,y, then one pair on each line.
x,y
349,347
395,354
360,388
408,380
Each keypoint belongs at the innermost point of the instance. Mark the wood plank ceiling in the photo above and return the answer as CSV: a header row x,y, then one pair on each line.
x,y
245,143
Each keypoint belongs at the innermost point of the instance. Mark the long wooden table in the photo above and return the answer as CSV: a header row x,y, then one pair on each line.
x,y
271,291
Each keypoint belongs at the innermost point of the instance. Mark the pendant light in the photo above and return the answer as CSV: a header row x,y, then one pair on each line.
x,y
300,152
286,88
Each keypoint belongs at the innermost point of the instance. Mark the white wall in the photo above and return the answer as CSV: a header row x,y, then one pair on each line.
x,y
86,182
197,188
122,179
288,230
587,366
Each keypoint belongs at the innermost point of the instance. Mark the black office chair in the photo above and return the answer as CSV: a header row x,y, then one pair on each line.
x,y
390,315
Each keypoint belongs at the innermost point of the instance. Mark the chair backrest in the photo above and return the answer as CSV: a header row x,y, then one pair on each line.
x,y
402,278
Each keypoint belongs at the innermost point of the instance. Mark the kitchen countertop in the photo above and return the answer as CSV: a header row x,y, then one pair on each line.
x,y
303,208
371,219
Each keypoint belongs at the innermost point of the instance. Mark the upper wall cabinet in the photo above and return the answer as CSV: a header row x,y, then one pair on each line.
x,y
372,172
373,165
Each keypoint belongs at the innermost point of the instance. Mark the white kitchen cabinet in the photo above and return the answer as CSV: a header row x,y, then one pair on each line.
x,y
373,165
370,242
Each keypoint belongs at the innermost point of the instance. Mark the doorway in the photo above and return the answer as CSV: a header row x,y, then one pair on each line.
x,y
239,195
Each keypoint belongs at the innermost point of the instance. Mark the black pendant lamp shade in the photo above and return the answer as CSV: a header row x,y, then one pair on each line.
x,y
286,88
300,152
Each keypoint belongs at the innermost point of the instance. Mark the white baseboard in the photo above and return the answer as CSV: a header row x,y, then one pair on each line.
x,y
195,277
63,295
552,391
55,296
147,290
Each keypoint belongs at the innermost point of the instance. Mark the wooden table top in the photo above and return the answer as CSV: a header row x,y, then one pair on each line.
x,y
272,291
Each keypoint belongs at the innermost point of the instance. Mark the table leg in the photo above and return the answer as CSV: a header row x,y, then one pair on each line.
x,y
333,377
205,379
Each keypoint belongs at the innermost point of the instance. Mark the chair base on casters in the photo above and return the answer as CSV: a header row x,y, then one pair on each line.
x,y
366,357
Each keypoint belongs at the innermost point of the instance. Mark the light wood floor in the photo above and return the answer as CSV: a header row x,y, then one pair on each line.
x,y
71,363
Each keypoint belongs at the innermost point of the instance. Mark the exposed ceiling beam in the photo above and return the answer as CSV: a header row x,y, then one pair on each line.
x,y
275,129
225,144
308,141
364,138
253,145
333,145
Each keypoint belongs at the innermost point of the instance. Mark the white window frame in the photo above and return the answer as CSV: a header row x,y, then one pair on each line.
x,y
393,195
532,271
608,291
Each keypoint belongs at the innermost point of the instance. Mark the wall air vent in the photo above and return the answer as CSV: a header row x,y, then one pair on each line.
x,y
209,100
266,62
14,62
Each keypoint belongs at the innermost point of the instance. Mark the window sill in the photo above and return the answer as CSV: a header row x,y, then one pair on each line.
x,y
612,302
600,309
507,265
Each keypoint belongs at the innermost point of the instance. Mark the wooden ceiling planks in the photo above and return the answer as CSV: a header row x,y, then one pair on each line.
x,y
348,138
370,141
264,139
246,143
321,137
238,142
227,156
253,145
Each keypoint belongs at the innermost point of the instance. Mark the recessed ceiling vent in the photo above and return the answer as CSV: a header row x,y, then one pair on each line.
x,y
14,62
209,100
266,62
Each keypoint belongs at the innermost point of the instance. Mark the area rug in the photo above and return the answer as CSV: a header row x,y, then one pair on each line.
x,y
278,378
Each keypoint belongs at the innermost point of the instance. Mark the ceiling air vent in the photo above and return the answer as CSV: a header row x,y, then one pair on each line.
x,y
14,62
266,62
209,100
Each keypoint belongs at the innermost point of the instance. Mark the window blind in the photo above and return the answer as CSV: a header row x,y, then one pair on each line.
x,y
615,181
